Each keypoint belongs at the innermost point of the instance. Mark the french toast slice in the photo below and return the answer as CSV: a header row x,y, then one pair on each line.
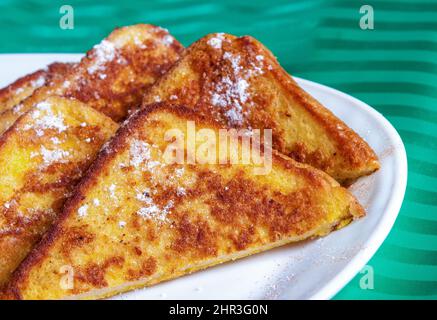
x,y
112,76
110,79
137,218
241,84
42,157
24,87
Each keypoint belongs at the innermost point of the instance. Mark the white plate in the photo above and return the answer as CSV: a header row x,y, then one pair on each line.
x,y
311,270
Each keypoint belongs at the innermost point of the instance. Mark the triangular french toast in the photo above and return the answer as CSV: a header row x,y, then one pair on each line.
x,y
139,218
42,157
113,75
241,84
110,80
24,87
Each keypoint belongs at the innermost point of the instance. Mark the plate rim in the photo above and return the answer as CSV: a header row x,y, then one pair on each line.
x,y
393,207
375,240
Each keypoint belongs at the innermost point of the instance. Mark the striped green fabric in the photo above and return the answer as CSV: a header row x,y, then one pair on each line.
x,y
393,68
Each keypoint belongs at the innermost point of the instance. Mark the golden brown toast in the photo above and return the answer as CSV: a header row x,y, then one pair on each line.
x,y
42,157
110,79
113,75
24,87
241,84
136,220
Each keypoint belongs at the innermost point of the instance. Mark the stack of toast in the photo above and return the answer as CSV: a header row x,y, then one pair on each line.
x,y
91,206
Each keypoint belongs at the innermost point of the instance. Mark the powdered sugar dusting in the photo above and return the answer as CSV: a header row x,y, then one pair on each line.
x,y
17,108
150,210
139,152
83,210
241,89
111,190
143,196
231,94
55,140
43,106
49,121
216,41
235,115
139,43
232,91
103,53
140,155
168,40
52,156
39,82
179,172
180,191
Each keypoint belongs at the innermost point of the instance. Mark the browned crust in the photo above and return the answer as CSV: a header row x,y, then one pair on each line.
x,y
49,73
158,61
116,85
40,251
148,63
67,180
353,148
52,70
355,152
52,74
9,89
351,145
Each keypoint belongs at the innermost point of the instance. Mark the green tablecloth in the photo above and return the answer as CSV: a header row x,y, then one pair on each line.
x,y
393,68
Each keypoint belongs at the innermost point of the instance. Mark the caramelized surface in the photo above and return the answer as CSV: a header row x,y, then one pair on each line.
x,y
110,80
24,87
136,220
239,82
42,157
113,75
